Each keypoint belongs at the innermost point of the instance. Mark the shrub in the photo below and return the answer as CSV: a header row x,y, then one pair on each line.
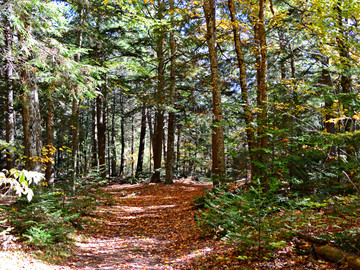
x,y
242,218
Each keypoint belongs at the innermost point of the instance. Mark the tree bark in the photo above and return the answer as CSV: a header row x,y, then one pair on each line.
x,y
139,166
159,113
171,119
75,109
151,139
50,149
132,146
9,105
122,138
244,88
95,163
100,117
113,136
31,122
261,68
218,149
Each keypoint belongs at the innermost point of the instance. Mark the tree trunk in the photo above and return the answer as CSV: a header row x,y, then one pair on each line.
x,y
218,150
100,117
50,149
95,163
75,110
75,140
171,120
122,138
244,88
9,105
25,105
113,146
261,68
31,122
139,166
151,139
159,113
178,144
132,146
345,76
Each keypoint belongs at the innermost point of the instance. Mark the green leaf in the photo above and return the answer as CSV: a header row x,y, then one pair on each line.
x,y
22,180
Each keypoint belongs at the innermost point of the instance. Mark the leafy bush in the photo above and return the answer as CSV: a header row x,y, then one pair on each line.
x,y
44,220
242,218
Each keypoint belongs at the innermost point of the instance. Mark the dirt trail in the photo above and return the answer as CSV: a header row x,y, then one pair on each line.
x,y
147,226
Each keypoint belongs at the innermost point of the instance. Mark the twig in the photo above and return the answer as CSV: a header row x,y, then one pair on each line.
x,y
348,178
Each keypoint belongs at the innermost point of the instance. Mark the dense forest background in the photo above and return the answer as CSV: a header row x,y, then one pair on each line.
x,y
264,91
266,88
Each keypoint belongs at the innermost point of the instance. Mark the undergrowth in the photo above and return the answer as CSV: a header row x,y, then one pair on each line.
x,y
49,223
266,219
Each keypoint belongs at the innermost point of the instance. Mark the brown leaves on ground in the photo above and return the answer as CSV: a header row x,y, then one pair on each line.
x,y
153,226
146,226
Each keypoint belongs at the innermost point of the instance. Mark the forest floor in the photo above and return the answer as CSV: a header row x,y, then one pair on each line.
x,y
153,226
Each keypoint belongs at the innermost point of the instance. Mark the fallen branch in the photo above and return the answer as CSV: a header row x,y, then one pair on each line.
x,y
336,255
332,254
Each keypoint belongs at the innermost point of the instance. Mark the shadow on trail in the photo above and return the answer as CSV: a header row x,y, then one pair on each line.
x,y
148,226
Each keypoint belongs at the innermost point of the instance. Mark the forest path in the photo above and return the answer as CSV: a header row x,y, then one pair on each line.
x,y
146,226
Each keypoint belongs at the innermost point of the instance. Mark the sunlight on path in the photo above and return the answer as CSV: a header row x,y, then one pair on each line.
x,y
15,260
147,227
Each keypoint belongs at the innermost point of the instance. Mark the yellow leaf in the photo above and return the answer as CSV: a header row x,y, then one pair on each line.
x,y
105,2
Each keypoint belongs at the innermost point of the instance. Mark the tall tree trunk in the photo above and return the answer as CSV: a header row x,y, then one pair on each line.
x,y
75,109
101,124
75,139
261,68
25,105
345,77
132,146
9,106
159,113
330,126
151,139
178,144
50,149
218,150
244,88
139,166
95,163
31,122
113,136
171,120
122,138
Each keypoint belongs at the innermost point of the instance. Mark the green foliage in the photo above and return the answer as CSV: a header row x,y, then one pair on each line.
x,y
243,218
44,221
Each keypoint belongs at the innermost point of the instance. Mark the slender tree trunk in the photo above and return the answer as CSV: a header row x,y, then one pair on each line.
x,y
113,136
261,68
31,123
218,150
330,126
50,149
75,139
75,111
345,77
132,146
159,113
178,144
25,105
95,163
100,117
9,106
139,166
171,120
151,139
244,88
122,139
